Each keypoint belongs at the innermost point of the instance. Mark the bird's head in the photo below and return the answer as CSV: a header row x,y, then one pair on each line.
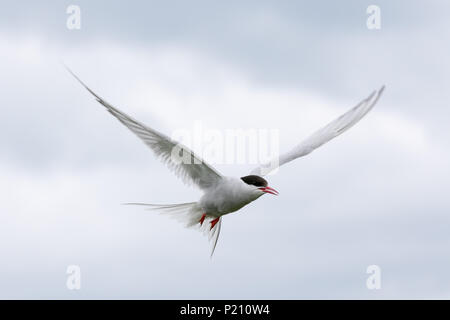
x,y
259,184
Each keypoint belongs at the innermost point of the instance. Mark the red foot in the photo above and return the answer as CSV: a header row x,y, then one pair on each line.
x,y
202,219
213,223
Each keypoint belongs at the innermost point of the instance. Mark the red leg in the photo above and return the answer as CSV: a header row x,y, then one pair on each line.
x,y
202,219
213,223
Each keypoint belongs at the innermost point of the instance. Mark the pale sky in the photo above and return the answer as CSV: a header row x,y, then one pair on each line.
x,y
377,195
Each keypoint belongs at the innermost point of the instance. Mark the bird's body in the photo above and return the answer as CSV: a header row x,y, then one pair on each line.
x,y
228,196
223,195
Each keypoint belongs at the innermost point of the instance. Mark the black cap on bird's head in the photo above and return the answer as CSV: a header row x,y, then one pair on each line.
x,y
256,181
260,183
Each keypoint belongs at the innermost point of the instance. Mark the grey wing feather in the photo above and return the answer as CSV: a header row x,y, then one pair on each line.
x,y
330,131
194,170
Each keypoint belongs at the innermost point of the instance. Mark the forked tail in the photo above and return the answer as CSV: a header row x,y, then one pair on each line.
x,y
191,215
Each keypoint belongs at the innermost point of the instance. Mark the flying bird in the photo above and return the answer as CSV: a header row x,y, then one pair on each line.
x,y
222,194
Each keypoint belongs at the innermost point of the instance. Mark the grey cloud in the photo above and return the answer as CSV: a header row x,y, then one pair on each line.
x,y
66,165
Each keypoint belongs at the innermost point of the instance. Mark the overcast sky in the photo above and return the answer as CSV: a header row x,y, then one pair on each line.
x,y
377,195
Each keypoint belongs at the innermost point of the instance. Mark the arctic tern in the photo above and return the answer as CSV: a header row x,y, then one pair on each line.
x,y
221,194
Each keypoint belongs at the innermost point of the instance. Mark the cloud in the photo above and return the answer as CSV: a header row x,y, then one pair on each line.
x,y
376,195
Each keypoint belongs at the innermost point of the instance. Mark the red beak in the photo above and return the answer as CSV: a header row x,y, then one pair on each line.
x,y
269,190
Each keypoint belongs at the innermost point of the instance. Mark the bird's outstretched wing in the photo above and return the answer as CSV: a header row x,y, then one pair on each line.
x,y
325,134
186,165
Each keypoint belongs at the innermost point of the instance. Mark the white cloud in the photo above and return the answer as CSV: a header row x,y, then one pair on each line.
x,y
374,195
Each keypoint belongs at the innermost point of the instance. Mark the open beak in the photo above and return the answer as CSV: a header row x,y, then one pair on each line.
x,y
269,190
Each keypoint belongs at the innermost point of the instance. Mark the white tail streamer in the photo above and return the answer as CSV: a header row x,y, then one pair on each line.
x,y
189,214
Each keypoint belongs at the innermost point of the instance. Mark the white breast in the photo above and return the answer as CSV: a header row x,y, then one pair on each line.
x,y
228,196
